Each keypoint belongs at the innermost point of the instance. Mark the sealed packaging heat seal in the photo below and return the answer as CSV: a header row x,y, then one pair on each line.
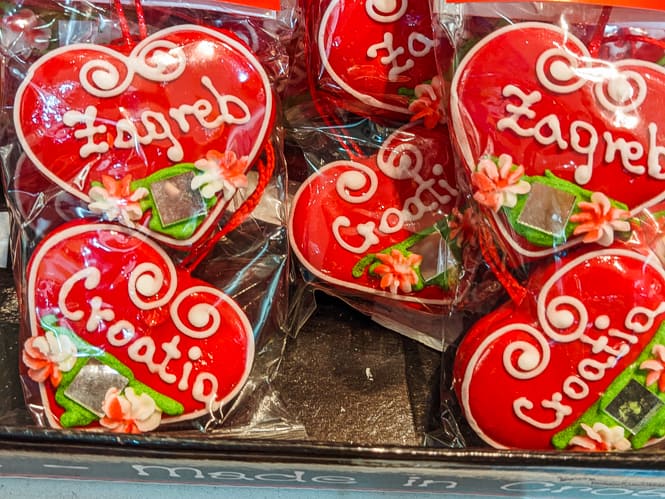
x,y
142,162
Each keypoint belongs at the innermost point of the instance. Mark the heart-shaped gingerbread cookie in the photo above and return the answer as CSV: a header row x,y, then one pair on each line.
x,y
374,54
576,365
168,130
118,337
569,135
383,225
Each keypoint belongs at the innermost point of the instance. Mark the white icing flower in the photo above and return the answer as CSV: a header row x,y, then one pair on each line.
x,y
498,184
130,413
222,172
48,356
601,438
116,200
598,220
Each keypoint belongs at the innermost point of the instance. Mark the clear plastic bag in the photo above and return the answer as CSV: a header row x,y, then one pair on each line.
x,y
375,217
555,119
142,163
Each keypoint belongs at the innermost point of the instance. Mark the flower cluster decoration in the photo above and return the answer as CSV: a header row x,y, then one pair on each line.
x,y
655,367
222,172
598,220
463,226
116,200
129,412
397,271
429,103
600,437
48,356
497,184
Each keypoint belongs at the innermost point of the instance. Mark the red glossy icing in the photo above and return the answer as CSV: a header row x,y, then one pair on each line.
x,y
348,67
54,87
226,350
510,57
427,168
609,283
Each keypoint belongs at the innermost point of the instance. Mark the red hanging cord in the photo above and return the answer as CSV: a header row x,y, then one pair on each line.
x,y
124,24
599,34
515,290
140,18
265,170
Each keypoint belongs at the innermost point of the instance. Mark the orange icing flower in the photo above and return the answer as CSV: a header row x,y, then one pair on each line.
x,y
656,367
463,226
429,103
116,200
48,356
599,220
397,271
498,185
600,438
129,413
223,172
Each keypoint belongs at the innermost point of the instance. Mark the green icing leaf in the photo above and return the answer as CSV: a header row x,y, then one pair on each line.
x,y
76,415
445,280
536,236
654,428
180,230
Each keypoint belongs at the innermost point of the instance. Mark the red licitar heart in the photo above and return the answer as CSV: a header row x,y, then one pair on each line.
x,y
353,208
369,54
84,111
534,92
526,372
118,291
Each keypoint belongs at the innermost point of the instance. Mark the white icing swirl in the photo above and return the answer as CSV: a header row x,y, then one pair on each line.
x,y
102,79
531,360
362,177
625,91
386,11
147,280
158,60
558,70
203,319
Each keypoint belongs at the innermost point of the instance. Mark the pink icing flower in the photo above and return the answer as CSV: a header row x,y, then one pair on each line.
x,y
116,200
656,367
600,438
498,185
463,226
23,32
598,220
223,172
397,271
130,413
429,103
48,356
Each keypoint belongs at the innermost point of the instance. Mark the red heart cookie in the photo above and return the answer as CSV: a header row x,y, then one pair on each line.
x,y
184,114
373,54
576,362
120,337
381,225
572,126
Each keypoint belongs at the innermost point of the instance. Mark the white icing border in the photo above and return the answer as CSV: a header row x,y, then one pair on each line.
x,y
56,238
646,260
327,278
457,111
323,46
213,216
